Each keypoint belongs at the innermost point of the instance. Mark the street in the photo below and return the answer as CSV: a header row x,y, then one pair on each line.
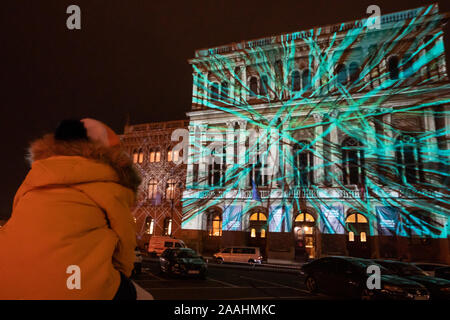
x,y
225,282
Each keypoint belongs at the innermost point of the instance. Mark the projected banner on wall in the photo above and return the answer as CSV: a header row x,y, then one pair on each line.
x,y
232,218
332,220
387,220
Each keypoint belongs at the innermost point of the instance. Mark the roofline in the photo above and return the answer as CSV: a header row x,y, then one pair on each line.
x,y
328,29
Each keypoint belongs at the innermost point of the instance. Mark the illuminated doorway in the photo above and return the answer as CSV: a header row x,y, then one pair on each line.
x,y
305,236
358,244
257,235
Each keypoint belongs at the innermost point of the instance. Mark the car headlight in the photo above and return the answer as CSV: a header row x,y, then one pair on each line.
x,y
392,288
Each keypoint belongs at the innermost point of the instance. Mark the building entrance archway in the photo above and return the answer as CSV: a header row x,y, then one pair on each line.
x,y
358,233
257,231
305,236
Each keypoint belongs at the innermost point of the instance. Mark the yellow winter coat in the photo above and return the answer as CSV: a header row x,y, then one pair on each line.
x,y
73,208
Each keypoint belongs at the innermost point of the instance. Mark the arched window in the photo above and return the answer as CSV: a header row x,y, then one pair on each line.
x,y
214,224
170,189
393,68
356,218
224,90
135,156
295,81
168,226
155,155
306,80
152,189
304,163
214,90
342,75
264,86
352,162
258,216
304,217
141,156
149,225
354,72
358,227
409,159
258,225
253,86
172,155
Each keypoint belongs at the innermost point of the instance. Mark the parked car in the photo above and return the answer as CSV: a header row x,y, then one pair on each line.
x,y
429,268
157,244
250,255
443,273
183,261
347,277
438,288
137,261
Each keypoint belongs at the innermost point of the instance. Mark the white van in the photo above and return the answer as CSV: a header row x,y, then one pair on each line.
x,y
239,254
157,244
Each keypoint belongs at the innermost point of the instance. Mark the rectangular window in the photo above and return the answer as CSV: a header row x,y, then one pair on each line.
x,y
195,175
168,244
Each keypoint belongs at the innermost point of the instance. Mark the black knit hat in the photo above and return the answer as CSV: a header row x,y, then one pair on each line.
x,y
71,129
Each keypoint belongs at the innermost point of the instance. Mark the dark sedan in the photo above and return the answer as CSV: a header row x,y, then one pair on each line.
x,y
184,262
347,277
438,288
443,273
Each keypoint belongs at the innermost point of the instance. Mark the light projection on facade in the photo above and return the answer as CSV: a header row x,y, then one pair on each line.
x,y
346,123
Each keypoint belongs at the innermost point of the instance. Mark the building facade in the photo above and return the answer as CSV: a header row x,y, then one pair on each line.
x,y
158,209
329,141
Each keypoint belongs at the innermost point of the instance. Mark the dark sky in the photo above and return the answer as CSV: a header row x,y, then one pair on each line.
x,y
130,57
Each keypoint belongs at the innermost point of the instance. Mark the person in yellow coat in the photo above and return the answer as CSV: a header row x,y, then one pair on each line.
x,y
71,234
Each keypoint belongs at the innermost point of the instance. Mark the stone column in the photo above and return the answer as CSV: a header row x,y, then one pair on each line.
x,y
371,151
203,157
192,156
273,159
205,85
431,157
388,132
319,172
242,151
244,84
195,97
335,155
230,144
287,157
446,110
388,142
441,64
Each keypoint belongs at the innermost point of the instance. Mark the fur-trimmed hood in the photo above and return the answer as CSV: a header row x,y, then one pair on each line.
x,y
115,157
